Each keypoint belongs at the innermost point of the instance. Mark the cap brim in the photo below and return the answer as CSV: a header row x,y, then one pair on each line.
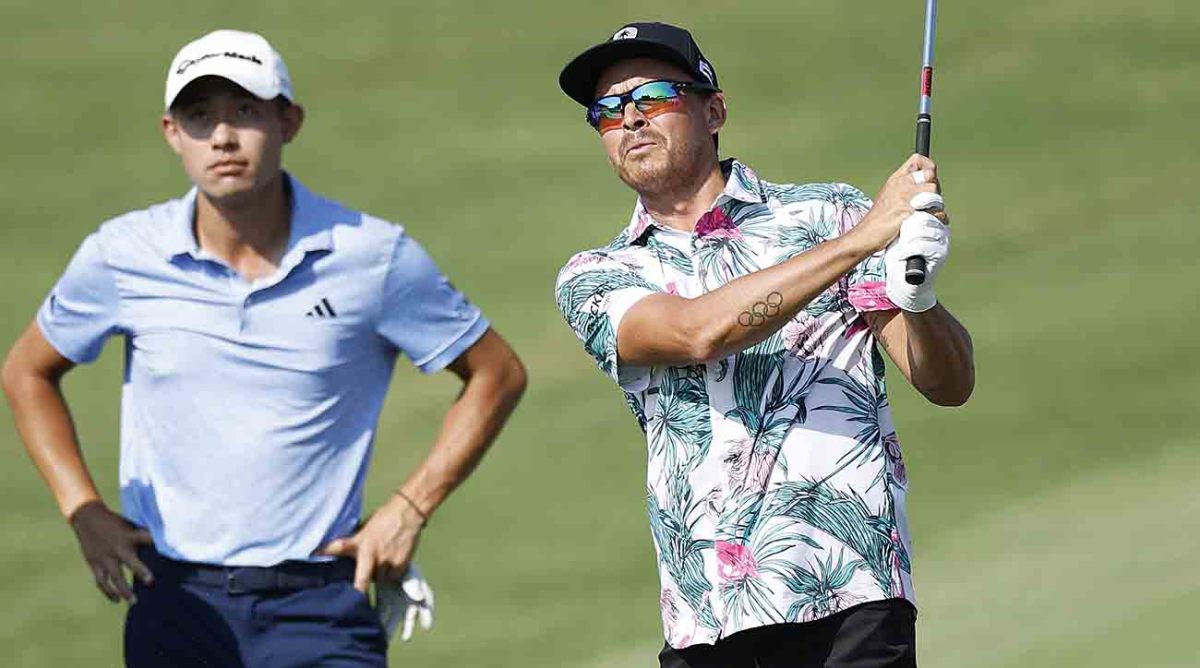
x,y
255,84
578,79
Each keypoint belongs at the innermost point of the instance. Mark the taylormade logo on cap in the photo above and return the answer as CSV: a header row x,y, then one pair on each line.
x,y
628,32
183,66
245,58
707,71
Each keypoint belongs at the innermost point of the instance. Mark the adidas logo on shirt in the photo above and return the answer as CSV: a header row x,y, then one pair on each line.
x,y
322,310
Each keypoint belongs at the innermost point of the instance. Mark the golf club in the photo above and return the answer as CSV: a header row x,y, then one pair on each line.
x,y
914,267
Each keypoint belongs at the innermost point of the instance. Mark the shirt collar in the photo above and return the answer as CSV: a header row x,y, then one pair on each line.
x,y
741,185
310,231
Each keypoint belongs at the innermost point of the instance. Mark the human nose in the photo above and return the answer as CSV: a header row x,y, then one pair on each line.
x,y
223,135
634,119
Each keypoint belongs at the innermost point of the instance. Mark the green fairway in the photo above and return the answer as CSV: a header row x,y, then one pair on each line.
x,y
1054,516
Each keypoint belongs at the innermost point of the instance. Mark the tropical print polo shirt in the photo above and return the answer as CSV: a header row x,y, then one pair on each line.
x,y
775,486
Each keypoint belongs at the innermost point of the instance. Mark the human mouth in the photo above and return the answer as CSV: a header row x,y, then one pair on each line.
x,y
228,167
639,148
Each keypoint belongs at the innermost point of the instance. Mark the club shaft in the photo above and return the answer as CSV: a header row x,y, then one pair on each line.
x,y
914,267
927,56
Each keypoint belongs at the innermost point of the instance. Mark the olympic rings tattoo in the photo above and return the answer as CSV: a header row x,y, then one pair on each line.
x,y
758,314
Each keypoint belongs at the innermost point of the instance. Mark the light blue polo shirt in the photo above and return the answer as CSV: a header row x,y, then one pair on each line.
x,y
248,410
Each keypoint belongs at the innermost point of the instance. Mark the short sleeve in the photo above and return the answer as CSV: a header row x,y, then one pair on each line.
x,y
422,314
82,309
864,283
594,292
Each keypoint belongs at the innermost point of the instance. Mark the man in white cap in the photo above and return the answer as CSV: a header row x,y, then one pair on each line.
x,y
261,325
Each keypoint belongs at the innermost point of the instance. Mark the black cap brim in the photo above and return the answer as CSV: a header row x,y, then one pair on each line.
x,y
578,79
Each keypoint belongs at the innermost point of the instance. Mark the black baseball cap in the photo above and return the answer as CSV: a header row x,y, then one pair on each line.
x,y
660,41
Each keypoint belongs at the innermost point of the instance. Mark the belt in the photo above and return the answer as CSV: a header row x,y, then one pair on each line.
x,y
283,577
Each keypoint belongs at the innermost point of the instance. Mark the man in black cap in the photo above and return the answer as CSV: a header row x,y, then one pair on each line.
x,y
742,318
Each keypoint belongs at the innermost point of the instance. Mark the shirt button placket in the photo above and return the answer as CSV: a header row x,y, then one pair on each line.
x,y
243,312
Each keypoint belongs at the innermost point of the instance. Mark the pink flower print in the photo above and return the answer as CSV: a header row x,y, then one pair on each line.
x,y
672,289
582,260
892,445
716,221
857,325
735,561
731,233
847,212
799,335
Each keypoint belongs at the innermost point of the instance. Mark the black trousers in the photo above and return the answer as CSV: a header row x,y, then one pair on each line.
x,y
880,634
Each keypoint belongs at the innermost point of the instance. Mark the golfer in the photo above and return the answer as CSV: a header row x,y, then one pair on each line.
x,y
261,325
742,318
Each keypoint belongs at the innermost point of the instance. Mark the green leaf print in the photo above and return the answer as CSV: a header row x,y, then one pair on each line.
x,y
681,427
670,256
843,516
679,554
580,299
862,407
822,590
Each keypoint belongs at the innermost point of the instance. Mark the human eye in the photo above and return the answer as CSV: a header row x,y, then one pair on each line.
x,y
247,110
195,113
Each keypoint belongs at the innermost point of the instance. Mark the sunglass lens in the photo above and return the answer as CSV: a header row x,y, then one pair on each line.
x,y
656,97
605,113
655,92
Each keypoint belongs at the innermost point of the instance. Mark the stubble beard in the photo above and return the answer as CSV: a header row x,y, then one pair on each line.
x,y
665,169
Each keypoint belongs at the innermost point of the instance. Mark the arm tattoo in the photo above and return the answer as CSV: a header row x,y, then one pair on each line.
x,y
758,314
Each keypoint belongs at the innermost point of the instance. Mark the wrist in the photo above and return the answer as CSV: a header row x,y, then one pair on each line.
x,y
69,507
411,510
856,245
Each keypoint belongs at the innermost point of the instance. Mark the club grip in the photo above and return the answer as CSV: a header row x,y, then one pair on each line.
x,y
924,125
914,270
914,267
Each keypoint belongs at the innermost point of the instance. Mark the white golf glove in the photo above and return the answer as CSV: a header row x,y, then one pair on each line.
x,y
920,234
407,602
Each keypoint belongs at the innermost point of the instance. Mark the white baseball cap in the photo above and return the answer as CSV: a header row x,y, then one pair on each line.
x,y
245,58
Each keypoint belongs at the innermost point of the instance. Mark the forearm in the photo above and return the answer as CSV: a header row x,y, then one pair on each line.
x,y
44,424
751,308
468,430
940,356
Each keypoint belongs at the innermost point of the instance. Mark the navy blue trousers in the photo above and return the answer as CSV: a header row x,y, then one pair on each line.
x,y
181,622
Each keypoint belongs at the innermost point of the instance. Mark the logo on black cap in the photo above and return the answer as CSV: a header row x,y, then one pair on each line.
x,y
628,32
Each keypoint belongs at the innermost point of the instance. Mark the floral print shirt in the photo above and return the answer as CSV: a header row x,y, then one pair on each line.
x,y
775,486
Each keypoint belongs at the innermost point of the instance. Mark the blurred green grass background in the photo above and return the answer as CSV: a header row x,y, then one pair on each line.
x,y
1055,516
